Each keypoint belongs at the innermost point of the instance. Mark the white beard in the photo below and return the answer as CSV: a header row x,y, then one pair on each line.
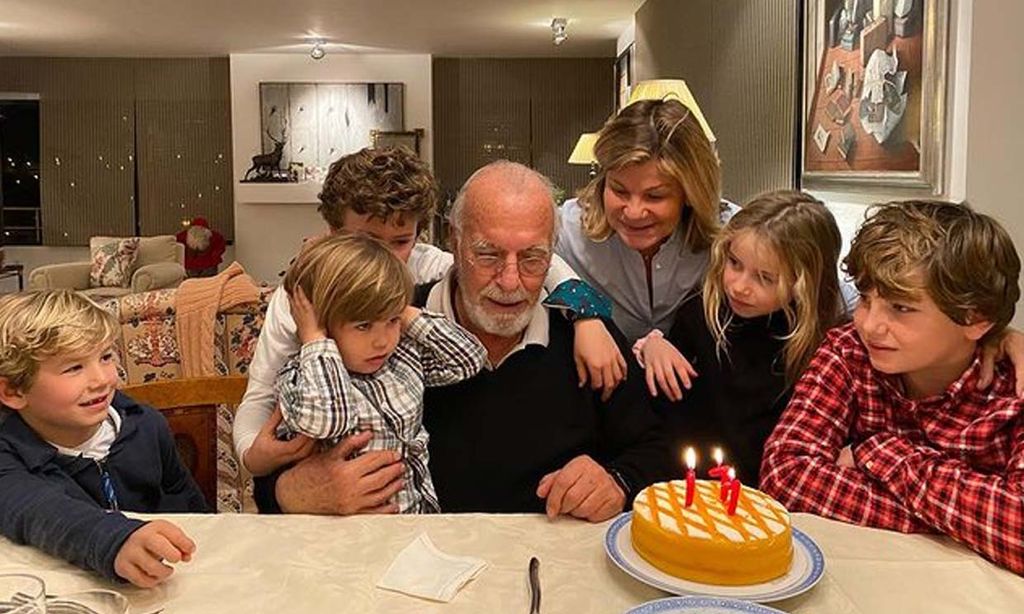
x,y
502,325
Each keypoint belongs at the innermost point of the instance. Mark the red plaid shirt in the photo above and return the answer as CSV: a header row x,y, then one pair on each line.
x,y
952,463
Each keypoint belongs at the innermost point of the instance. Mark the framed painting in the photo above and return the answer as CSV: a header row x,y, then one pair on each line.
x,y
873,112
320,122
409,139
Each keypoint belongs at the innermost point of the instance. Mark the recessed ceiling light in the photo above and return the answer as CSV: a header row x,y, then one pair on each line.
x,y
558,30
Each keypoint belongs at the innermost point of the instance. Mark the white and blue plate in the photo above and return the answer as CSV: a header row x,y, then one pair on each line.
x,y
808,567
703,605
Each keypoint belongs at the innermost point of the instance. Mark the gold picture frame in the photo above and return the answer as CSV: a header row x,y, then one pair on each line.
x,y
860,132
409,139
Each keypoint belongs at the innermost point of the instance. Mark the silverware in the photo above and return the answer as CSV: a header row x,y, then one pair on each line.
x,y
534,585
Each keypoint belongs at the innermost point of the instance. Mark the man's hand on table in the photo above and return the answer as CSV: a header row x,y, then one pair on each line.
x,y
582,489
334,484
267,452
142,559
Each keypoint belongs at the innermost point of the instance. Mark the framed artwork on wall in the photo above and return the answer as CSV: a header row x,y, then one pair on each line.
x,y
623,77
409,139
320,122
873,113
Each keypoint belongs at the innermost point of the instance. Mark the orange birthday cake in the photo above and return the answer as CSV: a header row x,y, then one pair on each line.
x,y
703,542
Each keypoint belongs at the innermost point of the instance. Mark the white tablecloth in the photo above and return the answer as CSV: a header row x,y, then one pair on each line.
x,y
248,563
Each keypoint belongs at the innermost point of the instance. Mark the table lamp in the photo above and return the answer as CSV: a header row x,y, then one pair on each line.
x,y
583,152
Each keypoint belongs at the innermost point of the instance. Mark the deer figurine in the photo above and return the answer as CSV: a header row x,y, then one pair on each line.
x,y
265,163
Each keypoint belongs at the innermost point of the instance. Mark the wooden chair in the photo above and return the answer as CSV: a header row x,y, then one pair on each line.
x,y
190,406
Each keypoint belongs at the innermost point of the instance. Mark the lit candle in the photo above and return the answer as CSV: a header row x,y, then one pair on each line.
x,y
728,475
717,471
734,493
691,476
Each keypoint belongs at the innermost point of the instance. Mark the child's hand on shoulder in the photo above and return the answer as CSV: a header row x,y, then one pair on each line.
x,y
143,557
307,323
409,314
666,368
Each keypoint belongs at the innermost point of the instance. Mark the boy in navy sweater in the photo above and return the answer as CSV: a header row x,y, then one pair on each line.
x,y
74,452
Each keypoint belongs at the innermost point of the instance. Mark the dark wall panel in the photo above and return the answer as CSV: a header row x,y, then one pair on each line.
x,y
740,60
526,110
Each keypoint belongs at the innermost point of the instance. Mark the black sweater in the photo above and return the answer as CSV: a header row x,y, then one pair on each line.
x,y
494,436
739,394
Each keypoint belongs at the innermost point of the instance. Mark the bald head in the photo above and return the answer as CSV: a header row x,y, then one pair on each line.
x,y
503,191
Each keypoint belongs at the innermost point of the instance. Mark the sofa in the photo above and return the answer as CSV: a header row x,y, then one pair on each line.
x,y
148,349
160,264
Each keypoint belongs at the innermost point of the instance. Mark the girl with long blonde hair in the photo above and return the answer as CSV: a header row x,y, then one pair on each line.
x,y
770,294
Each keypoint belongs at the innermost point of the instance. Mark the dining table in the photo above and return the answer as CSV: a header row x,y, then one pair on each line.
x,y
262,563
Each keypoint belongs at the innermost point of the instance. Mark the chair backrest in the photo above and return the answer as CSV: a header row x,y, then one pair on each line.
x,y
190,406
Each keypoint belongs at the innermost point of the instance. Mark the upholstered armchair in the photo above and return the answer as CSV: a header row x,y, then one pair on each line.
x,y
159,263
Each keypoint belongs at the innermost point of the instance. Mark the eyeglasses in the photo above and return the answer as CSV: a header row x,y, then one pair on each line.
x,y
494,264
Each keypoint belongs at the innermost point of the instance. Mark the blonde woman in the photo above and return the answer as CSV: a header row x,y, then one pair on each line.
x,y
641,230
771,293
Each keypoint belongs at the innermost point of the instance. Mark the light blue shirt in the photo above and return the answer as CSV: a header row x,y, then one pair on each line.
x,y
618,271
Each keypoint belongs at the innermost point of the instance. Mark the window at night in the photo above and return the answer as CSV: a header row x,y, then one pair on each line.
x,y
19,172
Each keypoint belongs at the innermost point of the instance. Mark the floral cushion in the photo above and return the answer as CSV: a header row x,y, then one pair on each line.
x,y
112,264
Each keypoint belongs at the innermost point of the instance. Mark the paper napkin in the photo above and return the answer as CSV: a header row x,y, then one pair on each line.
x,y
421,570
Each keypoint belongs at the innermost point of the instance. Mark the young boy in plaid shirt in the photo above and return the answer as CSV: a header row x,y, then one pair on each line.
x,y
887,427
367,356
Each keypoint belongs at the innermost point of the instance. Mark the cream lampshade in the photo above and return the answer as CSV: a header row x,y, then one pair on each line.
x,y
664,89
583,152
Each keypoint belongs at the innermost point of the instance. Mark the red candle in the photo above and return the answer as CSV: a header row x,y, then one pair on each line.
x,y
728,476
718,471
691,476
734,496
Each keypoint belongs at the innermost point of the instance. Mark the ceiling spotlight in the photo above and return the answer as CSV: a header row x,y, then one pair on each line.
x,y
317,52
558,30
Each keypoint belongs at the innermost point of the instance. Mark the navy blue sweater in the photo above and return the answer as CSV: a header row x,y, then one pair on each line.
x,y
55,502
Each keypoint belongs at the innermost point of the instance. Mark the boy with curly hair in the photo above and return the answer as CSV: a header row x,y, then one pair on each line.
x,y
887,427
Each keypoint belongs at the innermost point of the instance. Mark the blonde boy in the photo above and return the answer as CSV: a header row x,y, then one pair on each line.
x,y
887,427
74,451
366,355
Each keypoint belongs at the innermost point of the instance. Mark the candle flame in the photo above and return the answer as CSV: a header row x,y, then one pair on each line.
x,y
690,457
717,454
732,473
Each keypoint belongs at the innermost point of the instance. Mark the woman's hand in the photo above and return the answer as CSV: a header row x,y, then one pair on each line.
x,y
307,323
598,359
666,368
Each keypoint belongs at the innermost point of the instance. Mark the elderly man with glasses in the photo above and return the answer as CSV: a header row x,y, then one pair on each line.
x,y
523,436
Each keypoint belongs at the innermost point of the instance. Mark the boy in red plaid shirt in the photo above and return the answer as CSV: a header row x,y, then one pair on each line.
x,y
887,427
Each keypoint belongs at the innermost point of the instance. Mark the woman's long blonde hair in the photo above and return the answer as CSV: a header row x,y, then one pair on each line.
x,y
664,131
806,241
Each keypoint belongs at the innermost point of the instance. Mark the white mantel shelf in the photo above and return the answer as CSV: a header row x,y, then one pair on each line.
x,y
302,193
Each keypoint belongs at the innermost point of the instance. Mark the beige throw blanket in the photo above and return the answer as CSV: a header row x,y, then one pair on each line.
x,y
196,305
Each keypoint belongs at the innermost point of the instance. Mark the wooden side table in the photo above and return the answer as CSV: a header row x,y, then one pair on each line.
x,y
12,270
